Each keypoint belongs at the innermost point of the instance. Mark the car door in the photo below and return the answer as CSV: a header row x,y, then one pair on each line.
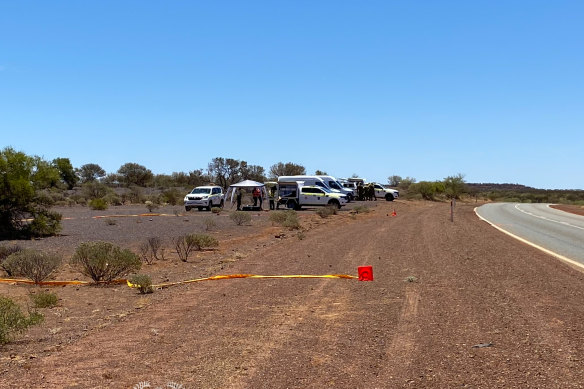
x,y
379,190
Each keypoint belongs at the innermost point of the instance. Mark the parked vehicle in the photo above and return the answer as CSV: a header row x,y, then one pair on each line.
x,y
386,193
204,197
335,185
295,195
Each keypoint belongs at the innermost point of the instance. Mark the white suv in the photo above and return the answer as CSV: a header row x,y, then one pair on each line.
x,y
204,197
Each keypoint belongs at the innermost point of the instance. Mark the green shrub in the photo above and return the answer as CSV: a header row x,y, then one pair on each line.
x,y
44,299
5,251
150,205
240,217
288,219
135,195
113,199
46,223
172,196
326,211
202,241
110,221
291,221
13,321
143,281
32,264
95,190
216,210
278,217
98,204
103,261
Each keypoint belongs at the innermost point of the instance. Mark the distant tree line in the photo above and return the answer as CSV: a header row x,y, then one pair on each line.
x,y
30,186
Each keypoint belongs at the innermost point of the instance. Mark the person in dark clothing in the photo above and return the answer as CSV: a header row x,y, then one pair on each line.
x,y
238,197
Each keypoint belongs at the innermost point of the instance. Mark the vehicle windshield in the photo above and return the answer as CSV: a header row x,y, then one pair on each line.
x,y
201,191
335,185
327,190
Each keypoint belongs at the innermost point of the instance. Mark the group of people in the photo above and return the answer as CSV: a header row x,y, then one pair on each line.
x,y
258,197
366,193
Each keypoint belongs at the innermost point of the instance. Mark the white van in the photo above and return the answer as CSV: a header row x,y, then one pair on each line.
x,y
336,186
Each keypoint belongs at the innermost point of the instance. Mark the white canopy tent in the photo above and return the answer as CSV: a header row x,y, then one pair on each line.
x,y
248,184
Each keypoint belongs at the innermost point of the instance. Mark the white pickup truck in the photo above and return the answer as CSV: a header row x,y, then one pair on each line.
x,y
295,195
385,193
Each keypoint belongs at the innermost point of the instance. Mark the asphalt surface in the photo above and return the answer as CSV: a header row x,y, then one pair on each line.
x,y
552,229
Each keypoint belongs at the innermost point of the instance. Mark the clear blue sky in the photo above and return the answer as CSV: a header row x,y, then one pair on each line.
x,y
490,89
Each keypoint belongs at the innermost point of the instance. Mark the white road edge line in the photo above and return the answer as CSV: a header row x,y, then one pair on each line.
x,y
547,218
552,253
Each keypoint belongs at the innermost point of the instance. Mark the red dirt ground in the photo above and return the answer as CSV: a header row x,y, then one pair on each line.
x,y
441,289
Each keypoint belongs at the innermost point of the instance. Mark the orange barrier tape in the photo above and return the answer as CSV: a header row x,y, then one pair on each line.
x,y
225,277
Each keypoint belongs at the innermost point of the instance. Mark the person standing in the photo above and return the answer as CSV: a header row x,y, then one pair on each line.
x,y
272,198
256,196
238,197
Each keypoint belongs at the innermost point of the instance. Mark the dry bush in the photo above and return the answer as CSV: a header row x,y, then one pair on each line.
x,y
145,253
240,217
183,246
156,247
32,264
326,211
209,223
103,261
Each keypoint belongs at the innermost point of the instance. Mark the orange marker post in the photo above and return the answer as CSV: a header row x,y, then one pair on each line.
x,y
365,273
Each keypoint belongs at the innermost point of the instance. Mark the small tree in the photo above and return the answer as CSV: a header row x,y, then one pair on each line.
x,y
22,179
394,180
455,186
134,174
66,171
90,172
286,169
103,261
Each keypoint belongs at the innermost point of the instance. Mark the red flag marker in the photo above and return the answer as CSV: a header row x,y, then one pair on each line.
x,y
365,273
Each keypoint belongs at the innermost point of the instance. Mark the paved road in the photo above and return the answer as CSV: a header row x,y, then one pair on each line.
x,y
554,230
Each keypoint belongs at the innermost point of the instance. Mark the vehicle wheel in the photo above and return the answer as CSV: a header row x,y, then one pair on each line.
x,y
209,206
221,204
334,203
389,197
187,209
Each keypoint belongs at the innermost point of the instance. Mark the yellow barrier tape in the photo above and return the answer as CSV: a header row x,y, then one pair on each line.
x,y
164,285
225,277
